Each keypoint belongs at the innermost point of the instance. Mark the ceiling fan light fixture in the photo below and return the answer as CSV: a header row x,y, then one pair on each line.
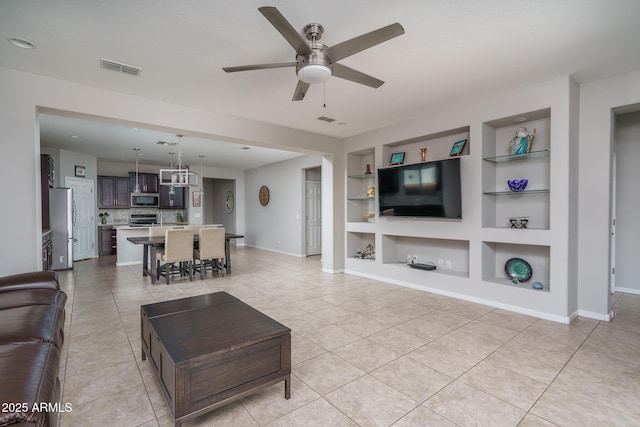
x,y
314,73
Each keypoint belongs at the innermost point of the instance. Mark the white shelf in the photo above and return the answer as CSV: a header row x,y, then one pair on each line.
x,y
358,183
496,254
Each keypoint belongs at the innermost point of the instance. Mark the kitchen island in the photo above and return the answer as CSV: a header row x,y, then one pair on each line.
x,y
127,252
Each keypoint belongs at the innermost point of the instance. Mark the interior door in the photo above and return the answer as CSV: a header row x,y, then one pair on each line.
x,y
83,218
314,218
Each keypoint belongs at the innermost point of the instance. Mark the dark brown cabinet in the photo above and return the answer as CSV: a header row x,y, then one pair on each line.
x,y
46,181
106,240
177,201
113,192
148,182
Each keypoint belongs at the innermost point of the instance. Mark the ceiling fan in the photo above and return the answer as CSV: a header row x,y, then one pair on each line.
x,y
316,62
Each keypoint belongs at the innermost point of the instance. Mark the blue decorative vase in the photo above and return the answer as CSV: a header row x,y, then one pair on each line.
x,y
517,184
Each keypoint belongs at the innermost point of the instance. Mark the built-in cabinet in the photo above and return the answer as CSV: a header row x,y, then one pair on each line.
x,y
113,192
148,182
107,239
469,253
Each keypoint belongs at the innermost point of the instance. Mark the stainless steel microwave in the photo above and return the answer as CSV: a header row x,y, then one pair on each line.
x,y
145,200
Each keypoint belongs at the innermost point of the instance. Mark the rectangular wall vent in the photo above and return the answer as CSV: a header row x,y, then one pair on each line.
x,y
117,66
326,119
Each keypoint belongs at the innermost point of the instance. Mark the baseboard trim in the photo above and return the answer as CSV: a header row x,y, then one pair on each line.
x,y
122,264
275,251
628,290
596,316
512,308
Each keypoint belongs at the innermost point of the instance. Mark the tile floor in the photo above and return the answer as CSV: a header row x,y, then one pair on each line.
x,y
365,353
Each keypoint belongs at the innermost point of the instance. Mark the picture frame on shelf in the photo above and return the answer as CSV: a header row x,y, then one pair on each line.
x,y
456,149
81,171
397,158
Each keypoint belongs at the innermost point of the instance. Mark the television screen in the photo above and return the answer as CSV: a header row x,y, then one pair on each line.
x,y
430,189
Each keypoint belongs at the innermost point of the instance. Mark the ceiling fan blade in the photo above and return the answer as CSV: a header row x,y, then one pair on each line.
x,y
283,26
259,66
350,74
301,91
365,41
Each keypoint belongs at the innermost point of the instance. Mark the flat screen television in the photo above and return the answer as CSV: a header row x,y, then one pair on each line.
x,y
430,189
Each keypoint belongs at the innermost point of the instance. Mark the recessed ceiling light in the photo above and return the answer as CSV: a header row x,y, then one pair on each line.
x,y
75,137
21,43
521,119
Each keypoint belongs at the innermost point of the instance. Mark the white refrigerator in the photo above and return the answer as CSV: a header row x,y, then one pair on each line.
x,y
62,219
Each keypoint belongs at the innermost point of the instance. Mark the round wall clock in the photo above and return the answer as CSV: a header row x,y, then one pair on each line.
x,y
229,201
263,195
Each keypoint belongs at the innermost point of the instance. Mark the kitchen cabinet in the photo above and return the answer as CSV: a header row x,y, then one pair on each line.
x,y
177,201
148,182
113,192
46,181
47,250
107,240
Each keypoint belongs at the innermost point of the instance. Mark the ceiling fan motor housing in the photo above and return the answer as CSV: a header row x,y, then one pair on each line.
x,y
314,68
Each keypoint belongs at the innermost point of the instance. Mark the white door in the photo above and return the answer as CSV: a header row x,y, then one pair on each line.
x,y
83,218
314,218
612,239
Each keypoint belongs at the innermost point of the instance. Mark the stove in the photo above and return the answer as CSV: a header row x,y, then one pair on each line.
x,y
143,220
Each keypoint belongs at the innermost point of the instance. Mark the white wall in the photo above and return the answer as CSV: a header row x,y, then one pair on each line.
x,y
277,226
24,95
627,147
215,203
597,100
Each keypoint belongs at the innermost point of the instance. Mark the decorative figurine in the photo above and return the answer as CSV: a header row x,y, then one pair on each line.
x,y
368,171
423,154
522,142
371,192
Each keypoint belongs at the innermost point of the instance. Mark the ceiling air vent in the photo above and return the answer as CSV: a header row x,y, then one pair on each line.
x,y
170,144
326,119
117,66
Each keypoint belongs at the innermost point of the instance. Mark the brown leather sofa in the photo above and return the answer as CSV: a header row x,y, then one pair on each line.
x,y
31,336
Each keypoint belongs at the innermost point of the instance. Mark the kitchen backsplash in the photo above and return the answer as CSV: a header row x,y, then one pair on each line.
x,y
121,216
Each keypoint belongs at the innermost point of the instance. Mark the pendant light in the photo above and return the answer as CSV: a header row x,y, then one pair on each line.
x,y
137,187
178,176
201,174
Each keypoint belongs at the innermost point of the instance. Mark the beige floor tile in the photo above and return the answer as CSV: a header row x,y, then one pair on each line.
x,y
568,409
365,354
516,389
534,366
270,404
424,328
102,382
469,344
318,413
104,378
127,408
423,417
303,349
398,340
445,359
412,378
469,406
370,402
363,325
326,373
617,394
331,337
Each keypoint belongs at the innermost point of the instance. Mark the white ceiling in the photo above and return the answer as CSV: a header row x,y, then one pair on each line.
x,y
451,50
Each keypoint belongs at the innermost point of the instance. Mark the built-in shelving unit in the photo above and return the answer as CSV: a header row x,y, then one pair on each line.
x,y
360,205
499,203
475,248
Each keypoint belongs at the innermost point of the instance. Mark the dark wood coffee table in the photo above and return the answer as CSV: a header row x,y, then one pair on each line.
x,y
212,349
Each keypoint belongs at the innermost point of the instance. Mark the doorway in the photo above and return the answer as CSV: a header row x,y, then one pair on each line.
x,y
84,218
313,211
625,202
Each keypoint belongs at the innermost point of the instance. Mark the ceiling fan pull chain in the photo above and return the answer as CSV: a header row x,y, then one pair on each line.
x,y
324,91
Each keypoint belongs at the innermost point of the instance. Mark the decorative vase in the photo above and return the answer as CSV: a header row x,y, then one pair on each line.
x,y
368,171
423,153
